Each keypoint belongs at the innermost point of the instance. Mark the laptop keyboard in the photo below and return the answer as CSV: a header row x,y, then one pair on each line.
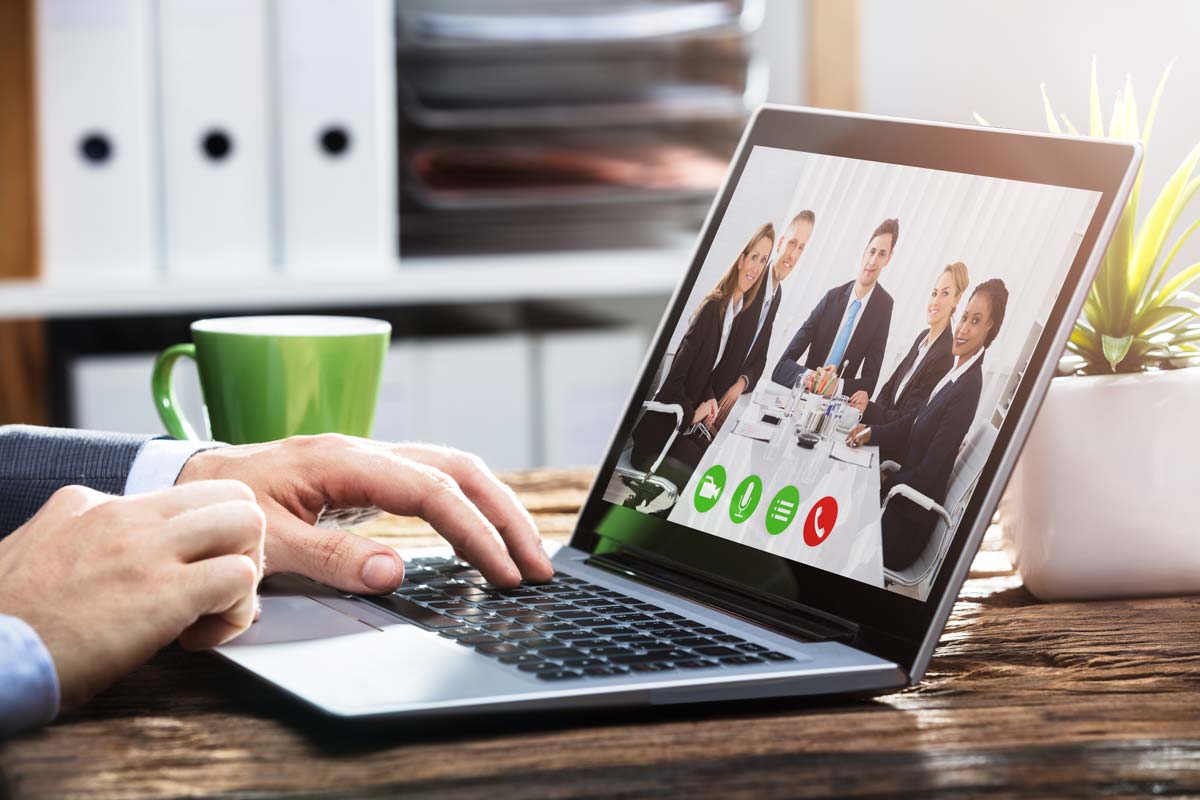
x,y
566,629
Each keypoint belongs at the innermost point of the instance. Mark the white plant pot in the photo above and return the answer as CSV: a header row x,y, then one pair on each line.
x,y
1105,499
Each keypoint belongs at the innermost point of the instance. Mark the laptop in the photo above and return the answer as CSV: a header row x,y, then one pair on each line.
x,y
754,553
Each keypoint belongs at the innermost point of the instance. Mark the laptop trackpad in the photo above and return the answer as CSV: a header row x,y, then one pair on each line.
x,y
297,619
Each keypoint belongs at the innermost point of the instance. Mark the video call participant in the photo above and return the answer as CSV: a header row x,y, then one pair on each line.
x,y
849,325
689,380
925,441
741,367
927,360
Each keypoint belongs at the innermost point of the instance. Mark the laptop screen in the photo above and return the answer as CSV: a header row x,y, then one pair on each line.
x,y
845,359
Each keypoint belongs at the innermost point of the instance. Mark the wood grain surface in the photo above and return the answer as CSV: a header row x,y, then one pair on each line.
x,y
1022,699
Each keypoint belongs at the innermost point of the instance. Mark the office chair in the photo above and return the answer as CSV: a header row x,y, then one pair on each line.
x,y
963,478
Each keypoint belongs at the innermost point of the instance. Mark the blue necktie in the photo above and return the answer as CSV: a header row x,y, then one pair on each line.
x,y
843,338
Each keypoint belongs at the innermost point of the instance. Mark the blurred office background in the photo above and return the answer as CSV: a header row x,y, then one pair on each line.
x,y
514,184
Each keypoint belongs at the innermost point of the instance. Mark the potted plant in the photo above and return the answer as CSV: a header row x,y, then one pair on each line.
x,y
1100,503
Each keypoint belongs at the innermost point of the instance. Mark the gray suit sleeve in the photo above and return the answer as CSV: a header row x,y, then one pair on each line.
x,y
36,462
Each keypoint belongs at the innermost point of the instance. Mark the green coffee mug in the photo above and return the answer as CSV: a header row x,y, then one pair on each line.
x,y
267,378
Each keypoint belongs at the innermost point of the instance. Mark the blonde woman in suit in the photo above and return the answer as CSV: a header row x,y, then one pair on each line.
x,y
927,360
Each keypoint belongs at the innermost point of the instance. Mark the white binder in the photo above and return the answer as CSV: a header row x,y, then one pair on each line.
x,y
214,123
335,80
95,138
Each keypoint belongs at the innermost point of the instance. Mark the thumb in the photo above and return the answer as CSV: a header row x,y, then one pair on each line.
x,y
336,558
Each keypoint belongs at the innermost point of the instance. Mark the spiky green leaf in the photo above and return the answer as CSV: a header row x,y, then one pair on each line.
x,y
1051,122
1115,348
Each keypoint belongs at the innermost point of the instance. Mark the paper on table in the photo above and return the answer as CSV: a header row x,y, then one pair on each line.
x,y
771,396
857,456
762,431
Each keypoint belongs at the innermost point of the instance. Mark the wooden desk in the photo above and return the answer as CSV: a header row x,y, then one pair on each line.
x,y
1022,699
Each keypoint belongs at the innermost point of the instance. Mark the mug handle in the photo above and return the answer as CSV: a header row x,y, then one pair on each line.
x,y
164,392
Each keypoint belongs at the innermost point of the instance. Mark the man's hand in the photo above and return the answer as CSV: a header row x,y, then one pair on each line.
x,y
810,380
859,400
706,412
296,478
108,581
729,398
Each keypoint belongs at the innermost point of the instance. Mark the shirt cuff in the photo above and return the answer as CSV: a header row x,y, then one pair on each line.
x,y
28,681
159,462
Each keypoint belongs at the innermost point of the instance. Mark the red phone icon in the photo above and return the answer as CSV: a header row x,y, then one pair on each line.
x,y
820,521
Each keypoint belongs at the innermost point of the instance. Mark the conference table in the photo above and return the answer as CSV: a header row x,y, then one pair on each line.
x,y
1022,699
850,546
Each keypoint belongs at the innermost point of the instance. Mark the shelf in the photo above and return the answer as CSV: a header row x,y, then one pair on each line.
x,y
415,281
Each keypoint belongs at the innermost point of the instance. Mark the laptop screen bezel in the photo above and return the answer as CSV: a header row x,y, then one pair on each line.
x,y
892,625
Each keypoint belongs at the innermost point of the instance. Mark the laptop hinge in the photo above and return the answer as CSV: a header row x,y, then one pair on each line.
x,y
784,616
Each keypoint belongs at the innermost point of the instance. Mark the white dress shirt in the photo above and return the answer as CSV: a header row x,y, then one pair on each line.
x,y
955,373
159,462
922,351
726,326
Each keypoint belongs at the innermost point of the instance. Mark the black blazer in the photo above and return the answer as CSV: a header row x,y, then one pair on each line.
x,y
816,335
925,442
688,383
887,406
746,356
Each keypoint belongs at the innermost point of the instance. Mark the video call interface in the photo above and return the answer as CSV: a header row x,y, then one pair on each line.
x,y
846,358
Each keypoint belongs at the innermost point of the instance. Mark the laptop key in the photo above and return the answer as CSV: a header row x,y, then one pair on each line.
x,y
501,649
500,627
636,658
635,617
698,663
403,607
611,609
602,672
592,622
739,660
520,658
572,596
574,615
693,641
580,663
771,655
706,631
553,627
559,675
648,608
671,616
653,626
477,639
551,608
467,611
540,643
716,650
537,666
610,651
651,667
613,630
751,647
636,639
559,653
517,635
598,601
581,635
729,638
500,606
530,618
669,655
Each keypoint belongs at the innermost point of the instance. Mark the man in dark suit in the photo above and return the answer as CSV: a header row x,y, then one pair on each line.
x,y
92,583
848,326
757,321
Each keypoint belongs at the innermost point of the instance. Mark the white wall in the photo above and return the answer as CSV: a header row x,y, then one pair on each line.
x,y
944,59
